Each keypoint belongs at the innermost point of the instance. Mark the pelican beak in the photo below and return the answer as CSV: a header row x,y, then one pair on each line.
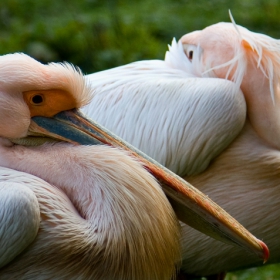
x,y
191,206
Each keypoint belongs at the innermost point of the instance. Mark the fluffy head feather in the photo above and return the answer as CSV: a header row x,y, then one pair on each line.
x,y
19,73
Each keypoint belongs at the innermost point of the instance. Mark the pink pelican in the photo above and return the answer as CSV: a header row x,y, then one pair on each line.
x,y
86,212
210,113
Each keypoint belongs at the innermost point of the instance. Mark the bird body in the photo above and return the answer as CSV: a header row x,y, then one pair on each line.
x,y
250,164
86,218
88,212
68,211
146,107
244,180
198,123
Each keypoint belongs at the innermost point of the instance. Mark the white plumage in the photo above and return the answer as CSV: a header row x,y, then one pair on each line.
x,y
86,212
150,102
189,113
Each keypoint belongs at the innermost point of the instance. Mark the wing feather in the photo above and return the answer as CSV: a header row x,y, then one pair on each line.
x,y
181,121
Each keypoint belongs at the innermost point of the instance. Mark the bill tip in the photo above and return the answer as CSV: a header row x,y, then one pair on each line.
x,y
265,251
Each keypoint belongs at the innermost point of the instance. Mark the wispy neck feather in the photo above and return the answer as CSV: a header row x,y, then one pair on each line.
x,y
255,49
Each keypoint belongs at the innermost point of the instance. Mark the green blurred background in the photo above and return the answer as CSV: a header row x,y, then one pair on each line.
x,y
97,35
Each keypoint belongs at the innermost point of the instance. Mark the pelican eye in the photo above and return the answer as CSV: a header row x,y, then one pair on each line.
x,y
37,99
189,51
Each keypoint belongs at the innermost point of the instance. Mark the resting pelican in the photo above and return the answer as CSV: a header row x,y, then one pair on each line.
x,y
188,113
86,212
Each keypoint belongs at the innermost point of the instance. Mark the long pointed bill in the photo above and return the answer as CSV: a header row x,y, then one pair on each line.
x,y
191,206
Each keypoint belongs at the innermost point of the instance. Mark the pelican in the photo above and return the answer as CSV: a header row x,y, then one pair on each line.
x,y
209,112
89,211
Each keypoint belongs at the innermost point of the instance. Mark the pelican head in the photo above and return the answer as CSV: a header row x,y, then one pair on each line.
x,y
252,60
42,91
134,231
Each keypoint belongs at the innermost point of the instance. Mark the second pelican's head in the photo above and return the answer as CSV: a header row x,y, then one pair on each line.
x,y
251,60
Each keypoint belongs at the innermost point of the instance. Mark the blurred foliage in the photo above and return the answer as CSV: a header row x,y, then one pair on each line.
x,y
268,272
97,35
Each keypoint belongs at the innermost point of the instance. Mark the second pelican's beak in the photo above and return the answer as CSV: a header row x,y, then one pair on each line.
x,y
191,206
